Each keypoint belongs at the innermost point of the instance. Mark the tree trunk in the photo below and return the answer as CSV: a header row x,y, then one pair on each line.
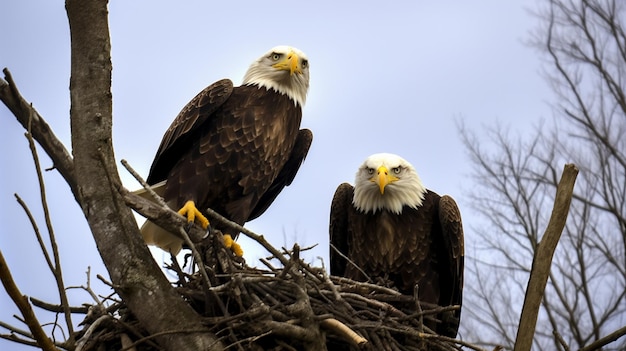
x,y
133,271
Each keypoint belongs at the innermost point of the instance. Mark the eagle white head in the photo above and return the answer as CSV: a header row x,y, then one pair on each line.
x,y
284,69
387,182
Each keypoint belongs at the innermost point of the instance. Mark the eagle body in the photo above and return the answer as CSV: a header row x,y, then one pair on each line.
x,y
417,244
234,158
233,149
398,249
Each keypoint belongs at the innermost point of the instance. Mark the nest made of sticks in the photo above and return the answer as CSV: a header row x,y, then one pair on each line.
x,y
286,306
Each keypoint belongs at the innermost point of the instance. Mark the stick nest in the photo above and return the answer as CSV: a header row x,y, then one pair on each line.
x,y
290,307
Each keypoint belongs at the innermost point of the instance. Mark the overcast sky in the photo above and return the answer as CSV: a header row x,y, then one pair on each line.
x,y
384,78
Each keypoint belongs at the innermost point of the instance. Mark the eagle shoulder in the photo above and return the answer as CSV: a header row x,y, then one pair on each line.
x,y
176,139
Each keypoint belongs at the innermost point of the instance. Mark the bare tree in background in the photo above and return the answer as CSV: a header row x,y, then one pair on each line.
x,y
585,47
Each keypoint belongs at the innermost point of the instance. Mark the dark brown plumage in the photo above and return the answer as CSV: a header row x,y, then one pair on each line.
x,y
233,149
418,243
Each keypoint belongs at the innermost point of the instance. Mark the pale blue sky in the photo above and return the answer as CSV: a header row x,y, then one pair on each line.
x,y
384,78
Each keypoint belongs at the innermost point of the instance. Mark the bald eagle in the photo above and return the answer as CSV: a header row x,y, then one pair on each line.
x,y
396,232
233,149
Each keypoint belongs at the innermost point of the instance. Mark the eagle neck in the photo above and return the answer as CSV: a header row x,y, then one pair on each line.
x,y
368,199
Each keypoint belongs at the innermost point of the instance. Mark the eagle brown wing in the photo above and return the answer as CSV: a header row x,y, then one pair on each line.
x,y
177,139
231,159
452,288
339,209
287,173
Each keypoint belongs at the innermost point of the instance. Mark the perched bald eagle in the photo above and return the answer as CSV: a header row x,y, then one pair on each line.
x,y
233,149
400,234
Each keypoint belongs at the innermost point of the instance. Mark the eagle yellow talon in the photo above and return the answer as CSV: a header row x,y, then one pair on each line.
x,y
192,213
231,244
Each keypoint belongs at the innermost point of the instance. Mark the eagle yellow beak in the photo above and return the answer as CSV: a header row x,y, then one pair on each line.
x,y
384,178
290,63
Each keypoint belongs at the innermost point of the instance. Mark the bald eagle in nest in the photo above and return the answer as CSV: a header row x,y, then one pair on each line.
x,y
234,149
392,230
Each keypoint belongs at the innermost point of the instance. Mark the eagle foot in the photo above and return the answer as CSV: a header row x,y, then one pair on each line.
x,y
231,244
192,213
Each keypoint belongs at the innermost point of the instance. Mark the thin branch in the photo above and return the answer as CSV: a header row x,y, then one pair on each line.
x,y
56,308
605,340
335,250
56,268
256,237
21,302
25,114
342,329
33,223
83,340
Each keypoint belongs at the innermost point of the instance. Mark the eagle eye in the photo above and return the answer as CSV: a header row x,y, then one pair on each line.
x,y
305,63
397,170
275,56
370,170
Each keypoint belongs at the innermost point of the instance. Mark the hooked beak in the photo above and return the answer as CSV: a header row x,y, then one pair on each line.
x,y
383,179
290,63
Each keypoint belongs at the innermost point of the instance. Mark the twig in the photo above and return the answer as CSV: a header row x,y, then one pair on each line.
x,y
605,340
25,308
418,308
35,227
365,286
344,330
167,332
25,114
248,339
158,199
87,288
17,339
560,339
83,340
56,268
16,330
543,259
56,308
332,247
256,237
451,340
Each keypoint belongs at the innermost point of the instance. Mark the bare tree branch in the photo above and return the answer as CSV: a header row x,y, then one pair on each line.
x,y
56,268
24,306
543,259
596,345
41,131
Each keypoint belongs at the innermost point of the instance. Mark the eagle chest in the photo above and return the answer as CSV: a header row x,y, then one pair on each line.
x,y
276,127
390,242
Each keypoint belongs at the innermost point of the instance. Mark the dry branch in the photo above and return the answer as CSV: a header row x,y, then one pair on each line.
x,y
21,301
598,344
543,259
30,119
